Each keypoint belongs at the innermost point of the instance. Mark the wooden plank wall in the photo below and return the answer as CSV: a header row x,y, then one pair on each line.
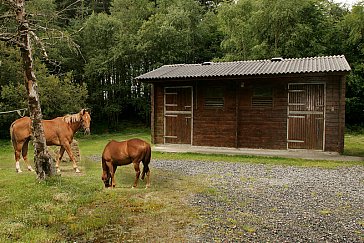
x,y
335,113
248,127
263,127
215,126
158,122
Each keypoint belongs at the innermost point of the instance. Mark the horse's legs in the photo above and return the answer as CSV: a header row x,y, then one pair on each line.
x,y
113,181
112,170
25,155
67,146
148,179
146,167
61,152
137,172
17,150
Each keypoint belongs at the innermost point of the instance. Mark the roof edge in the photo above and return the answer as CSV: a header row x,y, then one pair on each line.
x,y
264,67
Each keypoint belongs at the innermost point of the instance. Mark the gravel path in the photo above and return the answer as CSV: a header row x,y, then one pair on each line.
x,y
263,203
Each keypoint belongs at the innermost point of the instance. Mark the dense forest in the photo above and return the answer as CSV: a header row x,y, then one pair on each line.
x,y
97,47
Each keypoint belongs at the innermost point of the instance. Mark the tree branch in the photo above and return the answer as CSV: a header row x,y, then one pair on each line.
x,y
12,39
68,7
7,16
40,43
10,3
6,36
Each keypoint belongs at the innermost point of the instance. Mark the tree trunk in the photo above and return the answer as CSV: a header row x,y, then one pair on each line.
x,y
44,163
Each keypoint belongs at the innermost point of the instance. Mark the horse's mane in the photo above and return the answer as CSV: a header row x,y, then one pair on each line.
x,y
72,118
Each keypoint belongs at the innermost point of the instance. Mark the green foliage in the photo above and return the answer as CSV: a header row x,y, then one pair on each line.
x,y
264,29
353,30
10,65
71,98
109,79
70,9
106,44
172,34
355,95
236,22
58,96
211,38
13,95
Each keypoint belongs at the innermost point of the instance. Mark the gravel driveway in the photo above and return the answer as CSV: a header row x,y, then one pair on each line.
x,y
264,203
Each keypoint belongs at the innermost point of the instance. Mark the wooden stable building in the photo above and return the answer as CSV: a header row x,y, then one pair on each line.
x,y
270,104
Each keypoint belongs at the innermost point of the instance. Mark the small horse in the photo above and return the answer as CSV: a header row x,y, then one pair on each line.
x,y
123,153
59,132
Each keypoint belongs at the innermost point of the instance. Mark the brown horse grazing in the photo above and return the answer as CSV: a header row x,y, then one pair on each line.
x,y
123,153
59,132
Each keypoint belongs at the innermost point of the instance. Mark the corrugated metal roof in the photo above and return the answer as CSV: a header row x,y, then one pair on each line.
x,y
249,68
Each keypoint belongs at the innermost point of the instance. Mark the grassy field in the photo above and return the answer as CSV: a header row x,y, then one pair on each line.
x,y
354,144
76,208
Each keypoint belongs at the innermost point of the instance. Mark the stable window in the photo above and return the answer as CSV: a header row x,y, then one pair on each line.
x,y
214,97
262,97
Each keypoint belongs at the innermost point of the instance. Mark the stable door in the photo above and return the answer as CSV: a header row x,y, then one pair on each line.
x,y
306,116
178,115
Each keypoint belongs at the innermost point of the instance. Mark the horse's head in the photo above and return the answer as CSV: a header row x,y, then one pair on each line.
x,y
86,120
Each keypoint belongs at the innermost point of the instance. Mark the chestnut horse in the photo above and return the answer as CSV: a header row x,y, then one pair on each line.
x,y
123,153
59,132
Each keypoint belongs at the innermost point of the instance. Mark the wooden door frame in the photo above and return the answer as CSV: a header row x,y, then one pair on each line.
x,y
166,113
324,111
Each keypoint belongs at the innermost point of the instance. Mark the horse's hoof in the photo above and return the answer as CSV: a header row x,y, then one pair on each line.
x,y
77,170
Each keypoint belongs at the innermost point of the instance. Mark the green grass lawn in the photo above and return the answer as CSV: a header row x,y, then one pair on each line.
x,y
75,207
354,144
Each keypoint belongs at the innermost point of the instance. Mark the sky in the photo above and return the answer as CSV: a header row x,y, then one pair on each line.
x,y
347,2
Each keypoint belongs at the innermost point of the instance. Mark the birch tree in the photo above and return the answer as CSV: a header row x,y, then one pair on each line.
x,y
22,38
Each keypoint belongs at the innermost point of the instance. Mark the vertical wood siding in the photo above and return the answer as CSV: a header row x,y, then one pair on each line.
x,y
238,124
215,126
262,127
177,115
335,114
306,115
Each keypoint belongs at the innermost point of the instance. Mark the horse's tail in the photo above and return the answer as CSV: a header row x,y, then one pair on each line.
x,y
13,141
146,160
